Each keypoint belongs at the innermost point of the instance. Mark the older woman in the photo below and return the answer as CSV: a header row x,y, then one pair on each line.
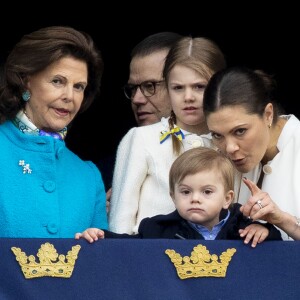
x,y
46,191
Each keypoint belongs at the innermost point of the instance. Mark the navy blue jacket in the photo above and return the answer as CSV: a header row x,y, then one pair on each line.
x,y
172,226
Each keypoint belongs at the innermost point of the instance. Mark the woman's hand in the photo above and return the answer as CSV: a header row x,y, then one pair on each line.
x,y
260,206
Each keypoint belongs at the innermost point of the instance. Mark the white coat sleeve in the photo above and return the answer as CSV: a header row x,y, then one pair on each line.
x,y
129,174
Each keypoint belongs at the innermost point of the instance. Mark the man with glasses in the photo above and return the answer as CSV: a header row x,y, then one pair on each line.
x,y
145,88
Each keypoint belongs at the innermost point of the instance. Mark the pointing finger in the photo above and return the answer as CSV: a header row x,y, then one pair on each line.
x,y
251,186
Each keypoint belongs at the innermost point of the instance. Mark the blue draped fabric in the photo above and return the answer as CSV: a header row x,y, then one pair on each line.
x,y
139,269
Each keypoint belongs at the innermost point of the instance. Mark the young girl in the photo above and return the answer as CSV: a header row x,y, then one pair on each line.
x,y
201,184
145,154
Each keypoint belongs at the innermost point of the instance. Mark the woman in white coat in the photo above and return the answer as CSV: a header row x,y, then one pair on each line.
x,y
246,124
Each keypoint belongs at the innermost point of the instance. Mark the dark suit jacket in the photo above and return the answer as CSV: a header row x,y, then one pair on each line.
x,y
173,226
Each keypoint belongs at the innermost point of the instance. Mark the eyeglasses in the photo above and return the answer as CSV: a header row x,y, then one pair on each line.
x,y
148,88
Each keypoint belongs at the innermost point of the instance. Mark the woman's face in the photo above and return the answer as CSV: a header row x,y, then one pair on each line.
x,y
242,136
56,94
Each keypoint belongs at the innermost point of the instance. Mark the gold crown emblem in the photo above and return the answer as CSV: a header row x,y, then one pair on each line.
x,y
201,263
51,264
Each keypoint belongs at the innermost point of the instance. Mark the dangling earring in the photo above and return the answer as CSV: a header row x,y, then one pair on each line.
x,y
26,96
270,125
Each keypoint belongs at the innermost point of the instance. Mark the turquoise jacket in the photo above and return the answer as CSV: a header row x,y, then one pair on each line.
x,y
46,191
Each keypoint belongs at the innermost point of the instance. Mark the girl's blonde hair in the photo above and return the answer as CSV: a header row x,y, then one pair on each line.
x,y
199,54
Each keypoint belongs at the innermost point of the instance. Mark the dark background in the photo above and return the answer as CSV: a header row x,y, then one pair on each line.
x,y
264,38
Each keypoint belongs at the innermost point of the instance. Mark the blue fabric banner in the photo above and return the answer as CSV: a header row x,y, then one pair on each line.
x,y
140,269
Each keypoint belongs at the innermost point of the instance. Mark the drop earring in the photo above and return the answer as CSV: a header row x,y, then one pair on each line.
x,y
26,96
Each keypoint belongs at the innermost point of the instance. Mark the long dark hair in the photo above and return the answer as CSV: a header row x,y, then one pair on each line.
x,y
252,89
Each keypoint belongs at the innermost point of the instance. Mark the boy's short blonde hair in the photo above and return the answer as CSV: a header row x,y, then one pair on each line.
x,y
198,160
